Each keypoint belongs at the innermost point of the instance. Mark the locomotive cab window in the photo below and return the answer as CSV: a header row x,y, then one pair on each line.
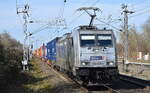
x,y
87,40
105,40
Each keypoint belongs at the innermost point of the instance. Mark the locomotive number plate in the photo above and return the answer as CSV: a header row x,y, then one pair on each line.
x,y
98,63
96,58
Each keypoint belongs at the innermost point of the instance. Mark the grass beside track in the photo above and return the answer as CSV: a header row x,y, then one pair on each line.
x,y
38,84
33,81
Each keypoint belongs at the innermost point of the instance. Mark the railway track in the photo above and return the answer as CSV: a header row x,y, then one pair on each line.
x,y
108,89
67,79
134,80
111,90
82,88
78,83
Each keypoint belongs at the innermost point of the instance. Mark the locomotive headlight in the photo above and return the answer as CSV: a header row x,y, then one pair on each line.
x,y
83,63
111,63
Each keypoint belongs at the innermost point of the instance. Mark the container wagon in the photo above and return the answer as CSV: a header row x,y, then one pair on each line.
x,y
51,51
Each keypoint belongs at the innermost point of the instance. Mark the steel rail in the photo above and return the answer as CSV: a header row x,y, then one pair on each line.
x,y
111,90
137,81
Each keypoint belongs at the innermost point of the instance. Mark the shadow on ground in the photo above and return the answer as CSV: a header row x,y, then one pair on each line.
x,y
65,88
26,82
26,79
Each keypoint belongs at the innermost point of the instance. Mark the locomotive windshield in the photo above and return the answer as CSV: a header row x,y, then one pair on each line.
x,y
87,40
105,40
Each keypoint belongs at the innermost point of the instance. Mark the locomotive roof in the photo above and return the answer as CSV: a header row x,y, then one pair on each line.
x,y
94,28
67,35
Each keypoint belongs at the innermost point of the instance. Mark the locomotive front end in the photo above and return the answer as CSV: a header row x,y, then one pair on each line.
x,y
97,56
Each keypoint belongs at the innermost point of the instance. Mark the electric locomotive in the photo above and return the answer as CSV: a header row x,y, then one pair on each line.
x,y
95,59
88,54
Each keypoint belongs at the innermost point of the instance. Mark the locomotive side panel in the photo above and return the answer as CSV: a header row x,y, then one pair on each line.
x,y
70,53
60,57
65,54
76,43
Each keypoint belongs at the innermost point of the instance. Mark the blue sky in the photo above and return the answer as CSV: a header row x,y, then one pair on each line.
x,y
48,10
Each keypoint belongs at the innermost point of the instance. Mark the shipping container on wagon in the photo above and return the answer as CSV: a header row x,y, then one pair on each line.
x,y
51,50
43,51
38,52
35,52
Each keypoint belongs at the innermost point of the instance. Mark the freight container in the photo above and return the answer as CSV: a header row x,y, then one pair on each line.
x,y
51,50
43,51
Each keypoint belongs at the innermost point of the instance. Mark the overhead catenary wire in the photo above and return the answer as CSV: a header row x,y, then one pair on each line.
x,y
40,29
139,3
75,19
76,11
97,1
108,24
85,2
58,31
52,24
46,26
141,13
61,12
146,7
55,33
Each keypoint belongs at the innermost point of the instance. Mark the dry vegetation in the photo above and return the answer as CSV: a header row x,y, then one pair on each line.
x,y
10,59
138,41
12,79
33,81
